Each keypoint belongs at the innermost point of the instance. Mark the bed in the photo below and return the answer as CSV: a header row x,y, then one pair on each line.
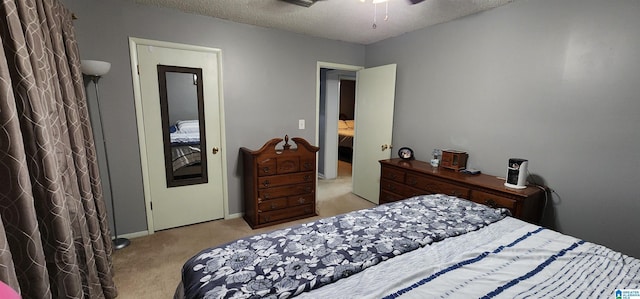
x,y
185,148
345,140
429,246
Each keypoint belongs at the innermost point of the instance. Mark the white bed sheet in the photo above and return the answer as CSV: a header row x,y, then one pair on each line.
x,y
185,137
345,129
461,268
345,132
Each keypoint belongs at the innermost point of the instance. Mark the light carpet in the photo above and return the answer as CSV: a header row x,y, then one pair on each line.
x,y
150,267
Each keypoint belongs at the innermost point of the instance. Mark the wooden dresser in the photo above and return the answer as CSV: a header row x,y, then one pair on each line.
x,y
279,183
401,179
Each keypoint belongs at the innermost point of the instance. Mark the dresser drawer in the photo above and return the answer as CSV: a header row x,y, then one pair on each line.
x,y
307,164
267,167
400,189
272,204
494,201
280,180
393,174
387,197
433,186
288,165
284,191
302,199
526,204
287,213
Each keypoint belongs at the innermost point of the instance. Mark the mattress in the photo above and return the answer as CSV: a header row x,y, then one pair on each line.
x,y
433,246
507,259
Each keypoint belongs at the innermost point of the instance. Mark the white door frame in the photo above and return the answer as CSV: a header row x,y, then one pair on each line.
x,y
133,44
328,65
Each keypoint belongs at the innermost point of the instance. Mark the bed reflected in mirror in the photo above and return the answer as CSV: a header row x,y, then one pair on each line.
x,y
182,114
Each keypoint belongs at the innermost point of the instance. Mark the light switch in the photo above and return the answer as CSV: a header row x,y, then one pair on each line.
x,y
301,124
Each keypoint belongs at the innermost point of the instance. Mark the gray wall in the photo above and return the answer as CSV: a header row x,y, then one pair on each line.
x,y
554,81
269,80
557,82
182,97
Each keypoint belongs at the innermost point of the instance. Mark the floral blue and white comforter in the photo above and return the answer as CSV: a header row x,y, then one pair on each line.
x,y
286,262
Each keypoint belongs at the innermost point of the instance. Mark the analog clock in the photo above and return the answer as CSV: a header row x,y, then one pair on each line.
x,y
405,153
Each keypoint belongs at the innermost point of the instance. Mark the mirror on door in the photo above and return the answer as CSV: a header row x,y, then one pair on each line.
x,y
182,114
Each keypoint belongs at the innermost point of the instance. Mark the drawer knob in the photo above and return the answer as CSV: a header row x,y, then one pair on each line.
x,y
302,200
306,177
266,183
267,196
274,206
266,169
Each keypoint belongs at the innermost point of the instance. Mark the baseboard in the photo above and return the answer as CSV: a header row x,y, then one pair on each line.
x,y
134,235
146,232
234,216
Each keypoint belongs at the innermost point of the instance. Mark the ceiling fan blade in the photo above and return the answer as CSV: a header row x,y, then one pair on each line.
x,y
415,1
305,3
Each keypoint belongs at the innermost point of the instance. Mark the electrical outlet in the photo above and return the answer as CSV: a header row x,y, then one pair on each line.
x,y
301,124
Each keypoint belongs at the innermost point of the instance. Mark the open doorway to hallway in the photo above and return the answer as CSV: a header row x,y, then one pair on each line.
x,y
336,125
335,155
337,106
373,126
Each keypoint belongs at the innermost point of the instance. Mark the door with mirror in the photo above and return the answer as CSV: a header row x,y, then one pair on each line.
x,y
181,136
183,125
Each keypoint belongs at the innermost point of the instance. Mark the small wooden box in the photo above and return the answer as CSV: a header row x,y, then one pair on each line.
x,y
453,159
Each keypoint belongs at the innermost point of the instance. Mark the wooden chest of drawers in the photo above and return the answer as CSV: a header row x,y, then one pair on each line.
x,y
400,179
279,184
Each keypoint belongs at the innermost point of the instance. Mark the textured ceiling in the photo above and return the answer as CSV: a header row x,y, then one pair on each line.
x,y
344,20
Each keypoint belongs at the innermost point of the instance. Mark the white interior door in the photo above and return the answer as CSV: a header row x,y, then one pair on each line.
x,y
375,96
180,205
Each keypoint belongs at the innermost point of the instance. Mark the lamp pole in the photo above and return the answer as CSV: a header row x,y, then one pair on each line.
x,y
94,71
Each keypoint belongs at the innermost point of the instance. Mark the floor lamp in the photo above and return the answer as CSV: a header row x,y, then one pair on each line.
x,y
94,70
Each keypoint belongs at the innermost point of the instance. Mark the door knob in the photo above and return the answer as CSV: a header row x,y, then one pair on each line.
x,y
215,150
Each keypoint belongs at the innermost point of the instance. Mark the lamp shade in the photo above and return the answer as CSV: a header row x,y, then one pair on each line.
x,y
95,67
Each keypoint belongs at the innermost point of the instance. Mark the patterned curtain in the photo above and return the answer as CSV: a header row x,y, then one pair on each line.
x,y
54,236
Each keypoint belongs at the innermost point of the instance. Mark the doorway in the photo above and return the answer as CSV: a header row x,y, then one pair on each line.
x,y
337,121
373,123
192,190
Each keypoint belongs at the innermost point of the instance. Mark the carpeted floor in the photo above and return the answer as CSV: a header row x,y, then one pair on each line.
x,y
150,266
